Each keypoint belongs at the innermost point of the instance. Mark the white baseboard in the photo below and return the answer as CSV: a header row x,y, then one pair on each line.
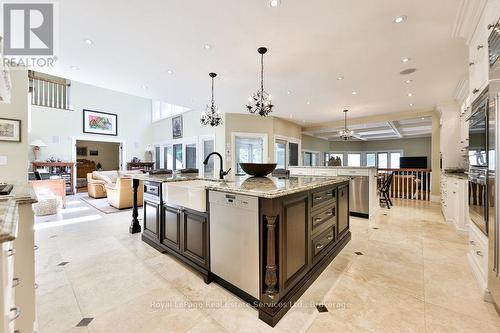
x,y
435,198
480,278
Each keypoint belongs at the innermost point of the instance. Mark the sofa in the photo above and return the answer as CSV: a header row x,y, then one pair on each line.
x,y
120,194
97,180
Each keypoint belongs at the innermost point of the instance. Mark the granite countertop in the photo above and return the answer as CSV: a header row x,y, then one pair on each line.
x,y
456,175
165,178
273,187
21,194
332,167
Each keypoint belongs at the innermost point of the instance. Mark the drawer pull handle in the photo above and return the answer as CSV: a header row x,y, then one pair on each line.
x,y
472,242
471,63
330,237
475,91
11,252
317,219
17,313
319,246
490,26
35,247
479,253
15,282
329,213
318,198
329,194
479,47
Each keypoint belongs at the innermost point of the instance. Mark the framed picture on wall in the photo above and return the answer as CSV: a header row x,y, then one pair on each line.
x,y
95,122
10,130
81,151
93,152
177,127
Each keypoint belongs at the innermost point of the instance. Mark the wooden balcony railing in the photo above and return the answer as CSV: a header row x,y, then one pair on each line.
x,y
414,184
49,93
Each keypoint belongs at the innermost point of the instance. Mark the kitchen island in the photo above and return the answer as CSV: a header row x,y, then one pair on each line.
x,y
265,239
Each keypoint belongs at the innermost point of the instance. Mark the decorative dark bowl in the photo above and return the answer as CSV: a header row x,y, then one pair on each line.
x,y
258,169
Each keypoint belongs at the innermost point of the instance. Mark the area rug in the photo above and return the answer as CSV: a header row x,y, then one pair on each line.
x,y
102,205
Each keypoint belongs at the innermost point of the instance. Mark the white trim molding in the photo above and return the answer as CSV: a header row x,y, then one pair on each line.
x,y
467,19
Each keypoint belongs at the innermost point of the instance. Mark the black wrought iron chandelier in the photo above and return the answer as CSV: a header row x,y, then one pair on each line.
x,y
211,116
346,133
261,102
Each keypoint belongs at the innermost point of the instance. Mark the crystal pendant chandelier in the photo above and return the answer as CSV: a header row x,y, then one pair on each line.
x,y
346,133
260,102
212,115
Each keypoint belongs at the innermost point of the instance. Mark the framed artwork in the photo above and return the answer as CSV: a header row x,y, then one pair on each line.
x,y
81,151
177,127
93,152
95,122
10,130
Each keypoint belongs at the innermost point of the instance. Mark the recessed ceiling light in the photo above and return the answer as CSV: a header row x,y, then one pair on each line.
x,y
308,103
208,46
408,81
340,78
88,41
169,71
354,93
74,68
144,87
411,104
400,19
275,3
288,92
405,60
410,94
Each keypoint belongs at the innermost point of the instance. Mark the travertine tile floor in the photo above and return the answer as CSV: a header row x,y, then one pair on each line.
x,y
412,276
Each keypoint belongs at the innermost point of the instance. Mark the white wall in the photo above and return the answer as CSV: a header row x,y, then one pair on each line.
x,y
57,127
450,135
17,159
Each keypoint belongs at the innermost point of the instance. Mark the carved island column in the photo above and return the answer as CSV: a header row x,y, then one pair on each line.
x,y
135,226
271,277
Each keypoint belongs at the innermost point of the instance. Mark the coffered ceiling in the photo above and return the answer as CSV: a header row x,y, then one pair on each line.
x,y
164,49
402,129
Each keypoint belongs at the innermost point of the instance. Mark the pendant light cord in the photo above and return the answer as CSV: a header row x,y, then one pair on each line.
x,y
261,79
212,93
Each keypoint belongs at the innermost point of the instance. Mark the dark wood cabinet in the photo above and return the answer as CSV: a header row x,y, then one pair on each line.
x,y
343,210
295,238
171,227
151,219
194,231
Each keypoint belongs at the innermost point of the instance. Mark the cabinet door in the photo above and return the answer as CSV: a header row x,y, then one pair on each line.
x,y
195,237
295,236
151,219
171,227
343,210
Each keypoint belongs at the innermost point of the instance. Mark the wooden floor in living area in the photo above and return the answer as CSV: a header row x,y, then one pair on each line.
x,y
404,271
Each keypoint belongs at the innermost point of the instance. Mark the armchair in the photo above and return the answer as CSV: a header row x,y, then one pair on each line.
x,y
120,194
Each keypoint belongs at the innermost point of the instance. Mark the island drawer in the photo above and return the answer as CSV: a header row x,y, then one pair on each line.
x,y
321,242
323,196
324,216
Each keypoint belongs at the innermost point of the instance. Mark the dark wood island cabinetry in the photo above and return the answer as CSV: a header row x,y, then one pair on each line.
x,y
303,223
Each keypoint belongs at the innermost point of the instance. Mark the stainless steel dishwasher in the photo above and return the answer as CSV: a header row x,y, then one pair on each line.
x,y
234,240
359,196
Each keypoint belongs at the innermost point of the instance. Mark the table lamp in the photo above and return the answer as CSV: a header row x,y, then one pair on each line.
x,y
36,147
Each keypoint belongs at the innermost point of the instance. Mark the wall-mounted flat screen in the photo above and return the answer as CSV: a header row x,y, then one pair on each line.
x,y
416,162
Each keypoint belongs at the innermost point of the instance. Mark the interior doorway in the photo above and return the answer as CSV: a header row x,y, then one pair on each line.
x,y
91,155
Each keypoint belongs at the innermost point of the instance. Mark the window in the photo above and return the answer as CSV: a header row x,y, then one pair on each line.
x,y
395,160
382,161
293,149
157,157
177,156
310,158
168,160
161,110
248,150
280,148
208,147
191,156
354,159
371,160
